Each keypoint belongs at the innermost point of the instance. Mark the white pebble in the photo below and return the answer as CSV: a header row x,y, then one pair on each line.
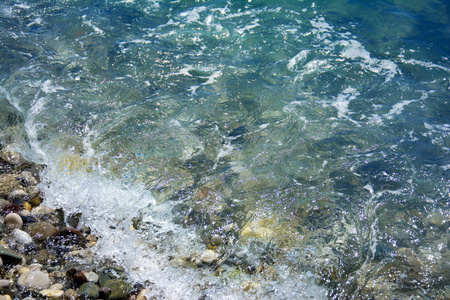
x,y
22,237
34,279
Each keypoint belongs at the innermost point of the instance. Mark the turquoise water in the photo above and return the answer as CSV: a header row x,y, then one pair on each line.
x,y
303,145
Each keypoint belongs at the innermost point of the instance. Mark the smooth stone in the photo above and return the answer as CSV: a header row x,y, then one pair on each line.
x,y
119,289
71,294
52,293
91,277
41,230
4,283
8,255
22,237
56,286
89,289
104,293
208,257
109,273
34,279
6,297
142,295
13,220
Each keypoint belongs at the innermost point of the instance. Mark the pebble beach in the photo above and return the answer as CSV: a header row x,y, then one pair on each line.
x,y
44,254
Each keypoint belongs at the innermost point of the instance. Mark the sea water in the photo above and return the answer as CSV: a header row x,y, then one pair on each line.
x,y
229,149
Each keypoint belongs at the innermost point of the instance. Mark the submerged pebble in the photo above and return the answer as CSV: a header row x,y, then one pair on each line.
x,y
89,290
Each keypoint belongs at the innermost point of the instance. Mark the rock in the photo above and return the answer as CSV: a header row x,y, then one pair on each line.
x,y
22,237
91,277
4,283
11,208
41,230
34,279
8,183
142,295
13,220
18,196
208,257
50,293
56,286
5,297
109,273
437,219
71,294
12,157
119,288
9,256
89,290
104,293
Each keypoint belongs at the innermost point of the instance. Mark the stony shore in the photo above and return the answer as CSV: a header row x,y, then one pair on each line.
x,y
44,254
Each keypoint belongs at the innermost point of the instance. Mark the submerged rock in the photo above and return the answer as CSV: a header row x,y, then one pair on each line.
x,y
88,290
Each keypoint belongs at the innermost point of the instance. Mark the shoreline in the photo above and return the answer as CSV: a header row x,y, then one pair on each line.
x,y
44,253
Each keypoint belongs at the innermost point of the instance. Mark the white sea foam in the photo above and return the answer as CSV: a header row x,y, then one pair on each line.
x,y
354,50
297,58
108,207
342,101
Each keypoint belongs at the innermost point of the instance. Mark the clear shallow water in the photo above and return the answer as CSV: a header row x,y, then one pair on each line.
x,y
306,143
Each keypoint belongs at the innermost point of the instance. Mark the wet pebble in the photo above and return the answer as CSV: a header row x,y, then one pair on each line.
x,y
91,277
22,237
89,290
13,220
17,196
119,288
11,208
41,230
34,279
4,283
70,294
52,293
208,257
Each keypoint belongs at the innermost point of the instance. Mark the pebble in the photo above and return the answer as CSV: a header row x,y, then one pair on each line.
x,y
142,295
41,230
52,293
4,283
91,277
119,289
22,237
34,279
70,294
89,290
13,220
208,257
17,196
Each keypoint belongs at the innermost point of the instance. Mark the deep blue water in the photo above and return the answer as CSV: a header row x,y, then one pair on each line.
x,y
304,145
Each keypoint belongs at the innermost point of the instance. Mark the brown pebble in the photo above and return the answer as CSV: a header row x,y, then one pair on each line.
x,y
70,294
11,208
41,230
104,293
79,278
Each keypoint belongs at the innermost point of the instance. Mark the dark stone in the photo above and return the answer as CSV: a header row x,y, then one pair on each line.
x,y
104,293
10,256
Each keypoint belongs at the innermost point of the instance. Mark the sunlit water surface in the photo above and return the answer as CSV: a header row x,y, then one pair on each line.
x,y
226,149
